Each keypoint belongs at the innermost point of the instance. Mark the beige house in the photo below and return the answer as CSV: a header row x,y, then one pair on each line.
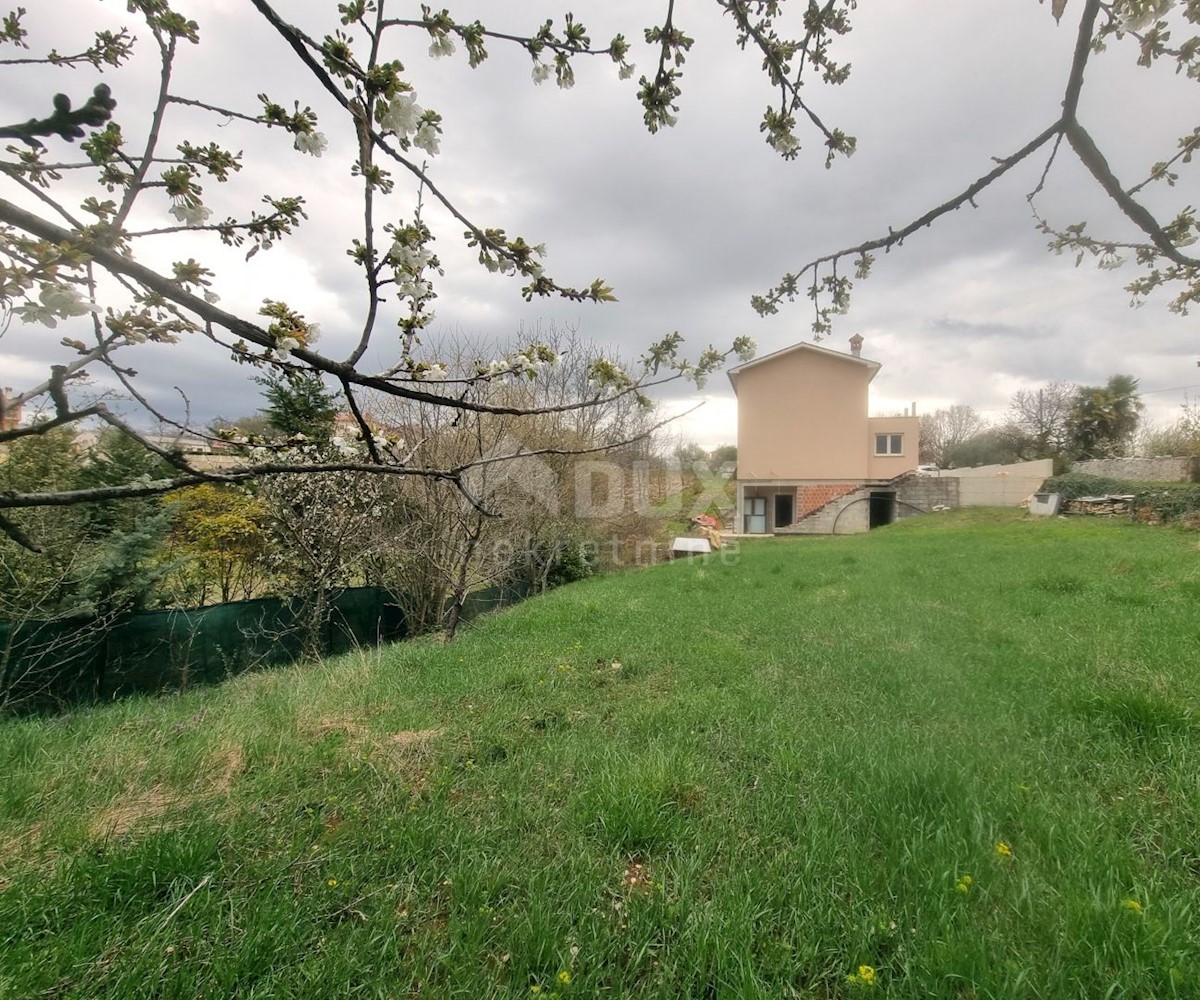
x,y
806,444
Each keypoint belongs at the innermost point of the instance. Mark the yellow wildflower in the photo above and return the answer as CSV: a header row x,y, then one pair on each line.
x,y
864,977
964,884
1003,849
331,883
1133,906
564,978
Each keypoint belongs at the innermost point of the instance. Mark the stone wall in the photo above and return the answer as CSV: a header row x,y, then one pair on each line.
x,y
1143,470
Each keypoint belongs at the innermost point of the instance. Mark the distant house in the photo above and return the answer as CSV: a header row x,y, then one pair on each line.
x,y
10,413
805,442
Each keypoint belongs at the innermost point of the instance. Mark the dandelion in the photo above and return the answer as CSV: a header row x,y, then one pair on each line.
x,y
332,883
864,977
963,885
1133,906
1003,850
564,978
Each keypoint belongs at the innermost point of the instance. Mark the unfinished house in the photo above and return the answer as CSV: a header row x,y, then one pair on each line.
x,y
810,459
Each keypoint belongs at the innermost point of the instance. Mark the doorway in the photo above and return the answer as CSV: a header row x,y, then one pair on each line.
x,y
785,509
883,508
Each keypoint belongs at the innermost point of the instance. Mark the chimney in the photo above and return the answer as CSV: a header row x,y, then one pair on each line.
x,y
856,343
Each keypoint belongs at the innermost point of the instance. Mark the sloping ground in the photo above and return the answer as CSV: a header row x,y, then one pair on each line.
x,y
954,757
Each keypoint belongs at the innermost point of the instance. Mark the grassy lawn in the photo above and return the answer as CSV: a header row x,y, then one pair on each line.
x,y
961,752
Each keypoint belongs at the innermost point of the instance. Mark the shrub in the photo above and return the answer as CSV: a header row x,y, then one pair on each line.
x,y
1167,501
1080,484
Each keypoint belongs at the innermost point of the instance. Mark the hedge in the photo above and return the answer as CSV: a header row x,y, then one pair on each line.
x,y
1170,501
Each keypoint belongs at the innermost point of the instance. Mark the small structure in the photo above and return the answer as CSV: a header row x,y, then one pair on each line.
x,y
1045,504
685,546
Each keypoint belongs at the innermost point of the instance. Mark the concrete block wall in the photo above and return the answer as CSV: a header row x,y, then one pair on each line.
x,y
1143,470
926,492
857,516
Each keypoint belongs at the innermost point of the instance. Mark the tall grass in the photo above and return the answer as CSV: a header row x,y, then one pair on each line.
x,y
954,757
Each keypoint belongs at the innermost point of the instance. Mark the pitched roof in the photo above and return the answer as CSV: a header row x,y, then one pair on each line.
x,y
873,366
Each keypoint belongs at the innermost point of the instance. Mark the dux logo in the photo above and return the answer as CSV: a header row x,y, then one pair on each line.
x,y
505,471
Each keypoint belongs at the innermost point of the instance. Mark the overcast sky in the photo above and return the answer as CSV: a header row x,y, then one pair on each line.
x,y
688,224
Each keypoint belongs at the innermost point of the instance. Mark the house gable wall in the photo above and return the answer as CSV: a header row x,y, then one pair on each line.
x,y
803,415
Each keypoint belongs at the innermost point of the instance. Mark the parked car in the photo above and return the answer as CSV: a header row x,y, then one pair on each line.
x,y
928,470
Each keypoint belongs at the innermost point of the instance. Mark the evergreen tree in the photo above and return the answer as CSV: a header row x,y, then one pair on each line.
x,y
299,404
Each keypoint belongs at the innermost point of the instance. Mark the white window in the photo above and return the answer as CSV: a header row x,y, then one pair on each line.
x,y
889,444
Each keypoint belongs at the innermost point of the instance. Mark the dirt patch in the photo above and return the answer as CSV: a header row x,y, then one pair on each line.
x,y
352,726
140,809
412,739
637,877
405,752
408,752
126,813
225,767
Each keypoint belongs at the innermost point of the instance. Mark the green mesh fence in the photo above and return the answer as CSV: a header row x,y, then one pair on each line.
x,y
52,665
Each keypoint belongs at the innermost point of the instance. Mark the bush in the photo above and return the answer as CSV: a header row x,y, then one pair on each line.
x,y
1168,501
1080,484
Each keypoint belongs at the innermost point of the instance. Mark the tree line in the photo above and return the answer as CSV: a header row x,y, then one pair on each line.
x,y
1062,421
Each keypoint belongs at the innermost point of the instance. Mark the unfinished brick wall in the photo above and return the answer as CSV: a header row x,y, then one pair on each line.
x,y
810,498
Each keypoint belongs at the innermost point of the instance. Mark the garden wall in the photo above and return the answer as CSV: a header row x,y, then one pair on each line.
x,y
1000,485
1143,470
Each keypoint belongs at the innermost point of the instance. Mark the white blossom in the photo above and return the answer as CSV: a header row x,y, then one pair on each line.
x,y
312,334
311,142
443,45
625,71
211,297
435,372
414,288
402,116
427,139
541,72
190,215
56,302
284,347
414,259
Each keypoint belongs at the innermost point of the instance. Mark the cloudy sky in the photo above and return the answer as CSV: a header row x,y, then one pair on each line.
x,y
686,225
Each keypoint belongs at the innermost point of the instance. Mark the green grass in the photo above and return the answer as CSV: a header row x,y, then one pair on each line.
x,y
699,780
